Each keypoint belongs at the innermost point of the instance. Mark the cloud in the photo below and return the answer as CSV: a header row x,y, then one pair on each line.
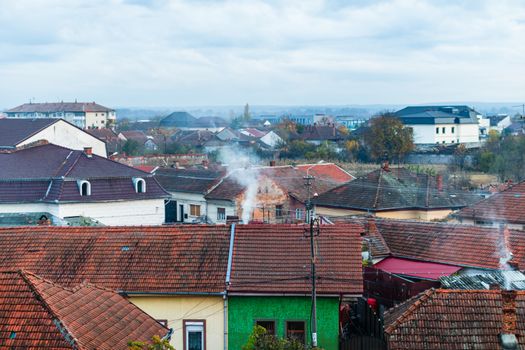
x,y
182,52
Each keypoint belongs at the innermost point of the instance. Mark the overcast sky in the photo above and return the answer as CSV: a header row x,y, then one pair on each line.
x,y
189,52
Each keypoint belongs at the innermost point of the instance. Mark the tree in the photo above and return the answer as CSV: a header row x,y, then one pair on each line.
x,y
259,339
132,148
156,344
388,138
246,115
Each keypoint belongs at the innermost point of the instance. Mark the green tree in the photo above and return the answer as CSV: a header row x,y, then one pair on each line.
x,y
259,339
388,138
133,148
156,344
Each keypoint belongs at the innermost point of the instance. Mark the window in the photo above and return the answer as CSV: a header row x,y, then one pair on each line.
x,y
221,214
195,210
269,325
296,330
140,185
84,187
194,335
443,129
453,129
298,214
278,210
437,130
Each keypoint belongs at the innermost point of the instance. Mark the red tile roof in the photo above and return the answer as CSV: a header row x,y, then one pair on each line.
x,y
454,244
182,259
507,206
328,171
456,319
38,314
276,259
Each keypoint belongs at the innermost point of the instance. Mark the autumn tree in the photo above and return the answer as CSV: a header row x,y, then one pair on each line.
x,y
387,138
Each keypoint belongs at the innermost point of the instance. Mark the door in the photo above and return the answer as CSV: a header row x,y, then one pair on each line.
x,y
181,212
194,336
170,213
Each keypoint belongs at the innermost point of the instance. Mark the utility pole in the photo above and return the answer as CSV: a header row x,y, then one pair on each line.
x,y
313,222
522,109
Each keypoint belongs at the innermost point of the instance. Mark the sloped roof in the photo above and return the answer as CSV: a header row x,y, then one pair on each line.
x,y
210,122
14,131
49,172
60,107
136,135
453,244
188,180
414,268
501,278
276,259
179,120
319,133
89,317
455,319
437,115
289,178
182,259
395,189
506,206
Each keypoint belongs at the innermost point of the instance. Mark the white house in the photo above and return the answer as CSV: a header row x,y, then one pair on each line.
x,y
499,122
443,125
21,132
68,183
187,188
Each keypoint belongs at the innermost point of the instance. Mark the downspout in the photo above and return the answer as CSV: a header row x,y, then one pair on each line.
x,y
228,275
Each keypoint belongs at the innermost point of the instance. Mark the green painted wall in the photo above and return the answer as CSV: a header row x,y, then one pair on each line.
x,y
244,311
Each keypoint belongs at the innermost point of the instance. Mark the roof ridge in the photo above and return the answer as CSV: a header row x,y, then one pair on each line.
x,y
378,188
61,327
418,301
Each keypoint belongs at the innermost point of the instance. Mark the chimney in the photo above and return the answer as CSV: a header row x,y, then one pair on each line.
x,y
507,336
88,151
439,183
272,162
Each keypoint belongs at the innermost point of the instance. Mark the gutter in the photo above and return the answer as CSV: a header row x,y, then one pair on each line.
x,y
124,293
228,277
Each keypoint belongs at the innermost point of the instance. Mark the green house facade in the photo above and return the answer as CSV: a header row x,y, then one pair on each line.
x,y
287,315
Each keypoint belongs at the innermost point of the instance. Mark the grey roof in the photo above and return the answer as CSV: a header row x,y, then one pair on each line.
x,y
179,120
49,173
504,279
495,119
437,115
59,107
188,180
14,131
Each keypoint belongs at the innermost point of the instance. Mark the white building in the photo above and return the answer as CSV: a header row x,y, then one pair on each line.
x,y
82,114
68,183
442,125
22,132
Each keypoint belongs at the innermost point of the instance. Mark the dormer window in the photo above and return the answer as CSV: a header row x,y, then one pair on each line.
x,y
84,187
139,184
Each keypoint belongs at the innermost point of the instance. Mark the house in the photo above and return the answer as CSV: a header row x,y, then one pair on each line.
x,y
113,142
175,274
188,188
505,207
21,132
146,141
185,121
268,138
310,119
271,194
441,125
421,253
214,124
40,314
499,122
82,114
394,193
275,292
194,138
317,134
68,183
458,319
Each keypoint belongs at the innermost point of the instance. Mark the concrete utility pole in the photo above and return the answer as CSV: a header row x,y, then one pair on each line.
x,y
312,221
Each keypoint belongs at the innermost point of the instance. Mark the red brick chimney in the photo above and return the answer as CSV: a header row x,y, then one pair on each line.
x,y
88,151
439,182
508,330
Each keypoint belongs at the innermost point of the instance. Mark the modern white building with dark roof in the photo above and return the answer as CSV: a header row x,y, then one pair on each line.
x,y
442,125
15,133
82,114
68,184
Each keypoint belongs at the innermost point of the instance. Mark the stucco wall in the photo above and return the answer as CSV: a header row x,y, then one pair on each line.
x,y
96,119
244,311
175,309
212,210
463,133
66,135
188,199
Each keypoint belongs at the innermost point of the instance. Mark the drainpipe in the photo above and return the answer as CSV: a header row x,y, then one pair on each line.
x,y
228,275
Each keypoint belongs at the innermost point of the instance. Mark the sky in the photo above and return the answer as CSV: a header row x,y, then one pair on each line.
x,y
293,52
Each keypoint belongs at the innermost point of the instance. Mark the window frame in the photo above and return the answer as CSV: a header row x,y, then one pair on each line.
x,y
299,212
279,211
192,206
136,181
286,329
443,130
185,324
437,130
223,216
80,184
274,321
